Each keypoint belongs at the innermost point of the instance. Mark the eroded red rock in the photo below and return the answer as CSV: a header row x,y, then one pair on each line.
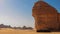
x,y
45,16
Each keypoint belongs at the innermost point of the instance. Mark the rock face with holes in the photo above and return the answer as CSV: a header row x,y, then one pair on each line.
x,y
46,16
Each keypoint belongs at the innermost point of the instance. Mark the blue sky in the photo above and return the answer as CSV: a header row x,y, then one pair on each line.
x,y
19,12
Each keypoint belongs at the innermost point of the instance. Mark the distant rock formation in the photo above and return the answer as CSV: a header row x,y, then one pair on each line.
x,y
23,28
5,26
8,26
46,17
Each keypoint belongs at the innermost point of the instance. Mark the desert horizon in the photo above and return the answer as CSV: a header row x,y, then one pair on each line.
x,y
29,16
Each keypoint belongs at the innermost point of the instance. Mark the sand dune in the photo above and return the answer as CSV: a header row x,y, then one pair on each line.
x,y
14,31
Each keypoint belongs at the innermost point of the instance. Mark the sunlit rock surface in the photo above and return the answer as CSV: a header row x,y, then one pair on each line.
x,y
46,16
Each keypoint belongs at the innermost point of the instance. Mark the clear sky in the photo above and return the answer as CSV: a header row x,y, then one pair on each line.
x,y
19,12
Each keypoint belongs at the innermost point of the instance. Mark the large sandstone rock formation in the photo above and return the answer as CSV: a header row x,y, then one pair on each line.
x,y
45,16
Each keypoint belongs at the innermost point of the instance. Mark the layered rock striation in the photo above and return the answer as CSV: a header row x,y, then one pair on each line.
x,y
46,16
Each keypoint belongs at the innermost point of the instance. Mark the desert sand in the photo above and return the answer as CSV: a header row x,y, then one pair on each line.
x,y
18,31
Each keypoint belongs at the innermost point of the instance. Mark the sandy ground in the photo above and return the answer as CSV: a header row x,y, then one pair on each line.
x,y
13,31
